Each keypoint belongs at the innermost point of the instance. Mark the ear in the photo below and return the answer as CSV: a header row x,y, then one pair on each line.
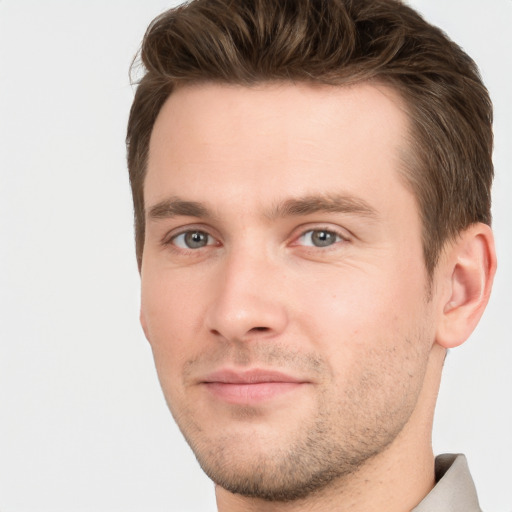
x,y
467,273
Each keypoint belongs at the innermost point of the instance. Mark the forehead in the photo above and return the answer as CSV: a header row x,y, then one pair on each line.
x,y
294,139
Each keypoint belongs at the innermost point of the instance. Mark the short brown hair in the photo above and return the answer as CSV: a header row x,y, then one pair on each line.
x,y
245,42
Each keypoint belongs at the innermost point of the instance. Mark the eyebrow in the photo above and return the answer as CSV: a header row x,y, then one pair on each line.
x,y
176,207
293,207
323,204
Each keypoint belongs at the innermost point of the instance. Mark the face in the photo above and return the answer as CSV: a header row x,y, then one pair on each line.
x,y
284,291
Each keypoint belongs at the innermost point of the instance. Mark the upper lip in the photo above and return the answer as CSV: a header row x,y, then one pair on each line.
x,y
252,376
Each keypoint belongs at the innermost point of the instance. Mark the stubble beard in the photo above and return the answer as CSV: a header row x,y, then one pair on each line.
x,y
293,472
301,461
320,451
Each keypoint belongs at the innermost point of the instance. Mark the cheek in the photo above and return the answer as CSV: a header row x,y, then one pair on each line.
x,y
376,340
350,307
170,311
167,297
163,315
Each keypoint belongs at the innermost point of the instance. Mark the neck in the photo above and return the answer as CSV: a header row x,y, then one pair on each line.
x,y
395,480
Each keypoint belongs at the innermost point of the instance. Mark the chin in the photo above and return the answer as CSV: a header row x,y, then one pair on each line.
x,y
282,467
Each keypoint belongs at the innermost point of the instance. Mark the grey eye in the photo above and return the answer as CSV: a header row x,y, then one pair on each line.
x,y
319,238
192,240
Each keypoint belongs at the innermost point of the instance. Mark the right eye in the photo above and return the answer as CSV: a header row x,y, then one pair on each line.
x,y
319,238
194,239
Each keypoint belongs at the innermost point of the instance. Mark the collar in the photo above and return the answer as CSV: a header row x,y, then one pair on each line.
x,y
454,490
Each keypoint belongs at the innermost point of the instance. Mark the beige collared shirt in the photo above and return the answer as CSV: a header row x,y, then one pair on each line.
x,y
454,491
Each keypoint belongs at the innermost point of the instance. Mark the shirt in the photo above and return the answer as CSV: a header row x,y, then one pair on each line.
x,y
454,490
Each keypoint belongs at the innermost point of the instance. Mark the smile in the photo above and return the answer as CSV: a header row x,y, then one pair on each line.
x,y
250,387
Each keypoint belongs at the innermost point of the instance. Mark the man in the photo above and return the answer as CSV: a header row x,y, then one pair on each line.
x,y
311,183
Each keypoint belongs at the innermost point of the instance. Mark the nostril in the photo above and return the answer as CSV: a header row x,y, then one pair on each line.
x,y
259,329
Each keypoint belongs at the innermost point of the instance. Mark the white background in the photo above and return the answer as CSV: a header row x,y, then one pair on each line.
x,y
83,425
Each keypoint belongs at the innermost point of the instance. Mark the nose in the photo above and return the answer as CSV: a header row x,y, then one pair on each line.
x,y
248,300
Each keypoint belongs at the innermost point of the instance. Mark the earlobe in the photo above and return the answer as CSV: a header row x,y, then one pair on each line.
x,y
469,267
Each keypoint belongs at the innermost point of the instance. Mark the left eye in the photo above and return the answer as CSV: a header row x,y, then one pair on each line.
x,y
319,238
193,240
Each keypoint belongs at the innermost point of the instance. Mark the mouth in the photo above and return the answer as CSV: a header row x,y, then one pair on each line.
x,y
250,386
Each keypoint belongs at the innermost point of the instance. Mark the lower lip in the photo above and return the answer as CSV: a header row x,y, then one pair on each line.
x,y
251,393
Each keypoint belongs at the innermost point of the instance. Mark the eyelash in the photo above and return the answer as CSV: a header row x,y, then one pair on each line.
x,y
339,237
169,241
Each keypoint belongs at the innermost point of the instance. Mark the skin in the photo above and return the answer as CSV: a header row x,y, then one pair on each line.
x,y
282,237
